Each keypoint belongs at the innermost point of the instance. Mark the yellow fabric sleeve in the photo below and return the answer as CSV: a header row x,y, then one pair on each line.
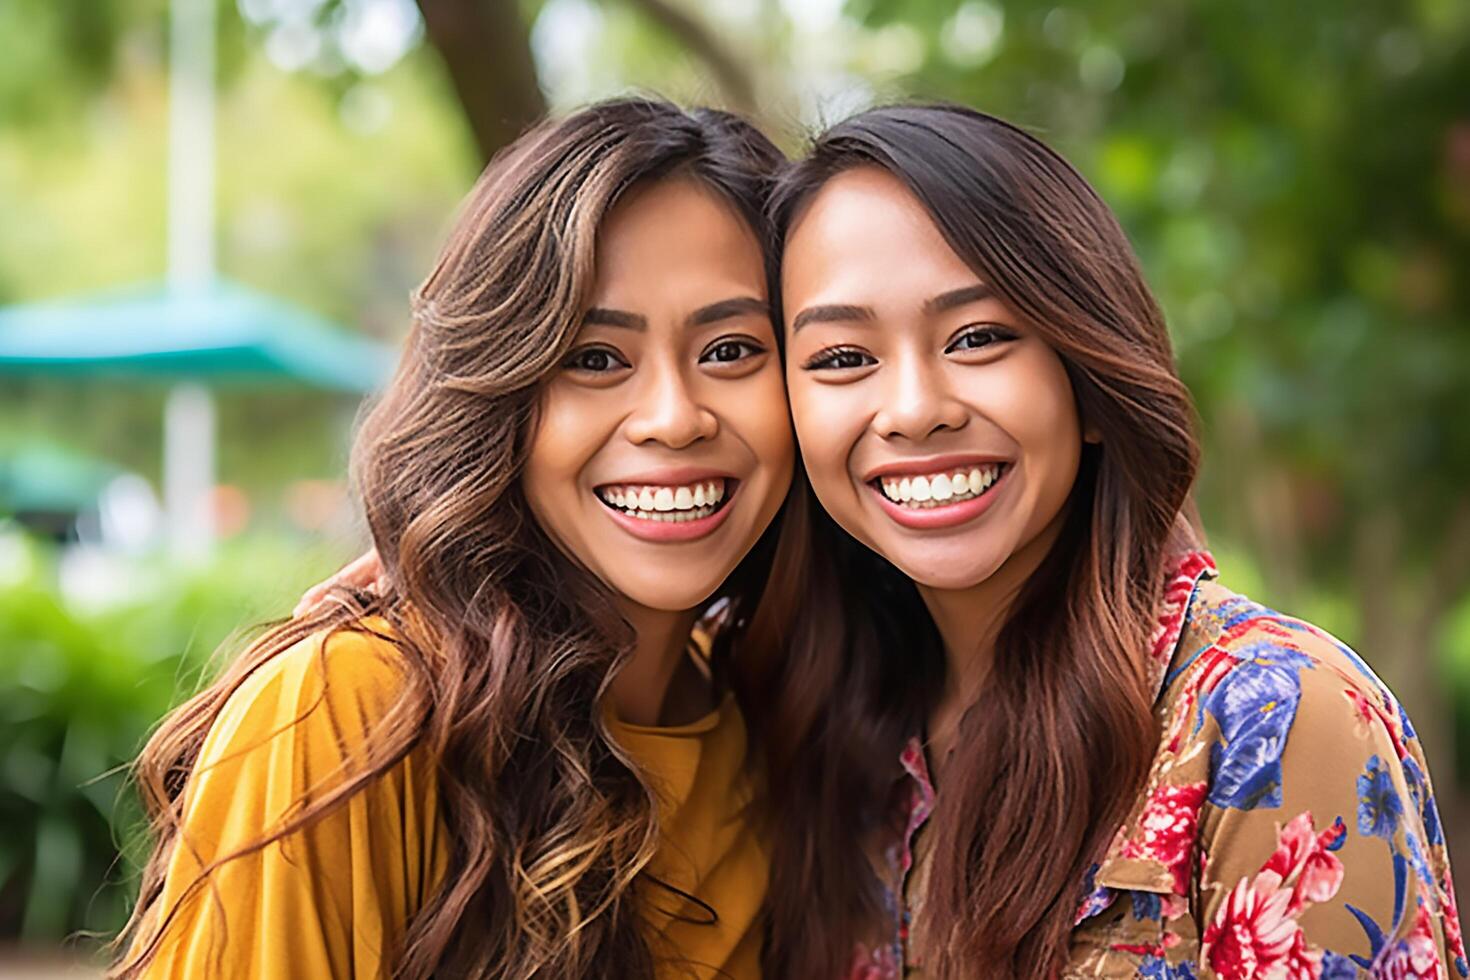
x,y
329,900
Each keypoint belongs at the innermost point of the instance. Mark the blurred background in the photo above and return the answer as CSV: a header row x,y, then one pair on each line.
x,y
212,213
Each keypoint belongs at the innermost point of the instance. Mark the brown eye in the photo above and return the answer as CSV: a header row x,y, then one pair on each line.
x,y
974,338
839,359
594,360
731,350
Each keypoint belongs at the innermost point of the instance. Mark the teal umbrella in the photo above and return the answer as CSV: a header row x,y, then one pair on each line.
x,y
192,335
47,477
216,332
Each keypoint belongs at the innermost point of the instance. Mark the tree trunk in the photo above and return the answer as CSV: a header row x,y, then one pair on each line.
x,y
486,48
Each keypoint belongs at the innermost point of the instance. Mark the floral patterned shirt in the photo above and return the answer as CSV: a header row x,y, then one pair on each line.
x,y
1287,830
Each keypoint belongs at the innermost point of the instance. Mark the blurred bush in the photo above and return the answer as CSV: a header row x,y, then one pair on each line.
x,y
79,691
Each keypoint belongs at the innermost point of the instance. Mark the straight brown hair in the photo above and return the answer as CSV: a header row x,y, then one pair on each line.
x,y
1049,761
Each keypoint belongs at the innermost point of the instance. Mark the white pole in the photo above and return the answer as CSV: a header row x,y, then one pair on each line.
x,y
189,417
191,144
188,470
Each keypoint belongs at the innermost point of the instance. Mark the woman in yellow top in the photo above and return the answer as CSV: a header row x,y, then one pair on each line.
x,y
506,763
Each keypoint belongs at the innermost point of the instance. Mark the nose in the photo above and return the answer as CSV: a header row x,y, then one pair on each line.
x,y
669,412
916,401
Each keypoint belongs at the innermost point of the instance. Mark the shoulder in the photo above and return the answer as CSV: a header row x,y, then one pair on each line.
x,y
1236,639
329,689
1268,682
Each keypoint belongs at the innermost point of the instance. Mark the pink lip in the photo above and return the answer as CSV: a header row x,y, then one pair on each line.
x,y
950,515
666,531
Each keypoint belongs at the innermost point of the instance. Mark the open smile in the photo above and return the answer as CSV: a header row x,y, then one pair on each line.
x,y
939,494
669,511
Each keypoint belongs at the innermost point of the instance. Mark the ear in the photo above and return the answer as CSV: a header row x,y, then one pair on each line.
x,y
1091,436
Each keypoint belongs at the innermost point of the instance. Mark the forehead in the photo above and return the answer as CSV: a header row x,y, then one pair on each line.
x,y
677,230
864,238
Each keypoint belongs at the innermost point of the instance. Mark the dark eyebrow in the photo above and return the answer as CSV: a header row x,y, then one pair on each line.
x,y
836,313
957,297
727,308
713,313
615,318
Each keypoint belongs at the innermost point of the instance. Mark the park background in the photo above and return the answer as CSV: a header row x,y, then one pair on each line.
x,y
1295,177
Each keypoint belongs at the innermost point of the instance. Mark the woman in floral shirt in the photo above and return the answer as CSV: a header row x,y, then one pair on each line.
x,y
1139,773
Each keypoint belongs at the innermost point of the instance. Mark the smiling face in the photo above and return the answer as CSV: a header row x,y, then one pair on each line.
x,y
663,446
936,425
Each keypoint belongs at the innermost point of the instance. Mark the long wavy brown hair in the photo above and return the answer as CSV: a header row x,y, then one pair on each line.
x,y
507,647
1048,763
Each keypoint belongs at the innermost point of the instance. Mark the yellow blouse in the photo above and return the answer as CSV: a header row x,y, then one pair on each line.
x,y
334,899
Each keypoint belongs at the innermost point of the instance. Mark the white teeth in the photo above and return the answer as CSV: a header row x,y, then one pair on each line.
x,y
668,503
941,488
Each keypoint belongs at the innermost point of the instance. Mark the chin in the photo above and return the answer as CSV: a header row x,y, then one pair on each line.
x,y
675,594
954,567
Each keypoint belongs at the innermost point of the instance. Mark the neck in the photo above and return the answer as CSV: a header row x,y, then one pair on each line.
x,y
968,620
643,685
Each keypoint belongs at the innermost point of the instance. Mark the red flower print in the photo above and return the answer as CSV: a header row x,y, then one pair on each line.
x,y
1167,828
1367,710
1361,705
1255,933
1302,962
1181,720
1303,861
1254,937
1451,917
1414,957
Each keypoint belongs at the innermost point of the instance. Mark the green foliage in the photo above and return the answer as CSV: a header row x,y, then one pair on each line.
x,y
79,692
1297,181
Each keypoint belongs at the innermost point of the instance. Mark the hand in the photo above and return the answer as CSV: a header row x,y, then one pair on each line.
x,y
361,573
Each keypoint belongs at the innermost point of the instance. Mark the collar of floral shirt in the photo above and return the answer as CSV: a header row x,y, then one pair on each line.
x,y
1117,872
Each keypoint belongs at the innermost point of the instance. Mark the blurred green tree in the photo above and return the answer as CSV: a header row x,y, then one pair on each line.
x,y
1297,181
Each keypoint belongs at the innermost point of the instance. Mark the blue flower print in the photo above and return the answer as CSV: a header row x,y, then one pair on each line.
x,y
1255,705
1157,968
1336,967
1418,862
1423,800
1379,806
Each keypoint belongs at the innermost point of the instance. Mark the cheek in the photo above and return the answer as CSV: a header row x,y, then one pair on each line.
x,y
569,430
757,412
829,420
1043,414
